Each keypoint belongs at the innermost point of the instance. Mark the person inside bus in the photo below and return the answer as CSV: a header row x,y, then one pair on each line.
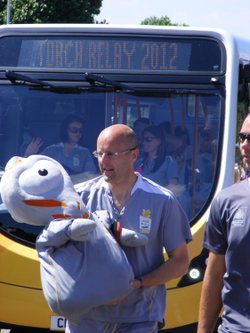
x,y
182,153
168,131
207,154
69,151
140,204
155,164
139,126
227,237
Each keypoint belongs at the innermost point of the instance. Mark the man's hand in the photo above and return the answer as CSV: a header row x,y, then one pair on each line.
x,y
136,283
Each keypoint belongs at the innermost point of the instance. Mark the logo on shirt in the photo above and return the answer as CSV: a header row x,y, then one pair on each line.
x,y
145,221
146,213
239,217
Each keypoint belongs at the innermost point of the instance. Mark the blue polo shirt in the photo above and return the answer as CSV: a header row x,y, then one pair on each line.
x,y
155,212
228,233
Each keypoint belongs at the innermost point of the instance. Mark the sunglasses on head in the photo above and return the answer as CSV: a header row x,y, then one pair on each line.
x,y
243,137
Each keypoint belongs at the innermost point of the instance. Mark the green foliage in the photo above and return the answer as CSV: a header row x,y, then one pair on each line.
x,y
163,20
50,11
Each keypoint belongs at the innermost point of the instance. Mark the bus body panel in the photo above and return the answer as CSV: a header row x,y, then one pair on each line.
x,y
24,306
24,260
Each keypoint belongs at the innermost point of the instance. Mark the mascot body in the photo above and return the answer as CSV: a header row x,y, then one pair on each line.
x,y
82,264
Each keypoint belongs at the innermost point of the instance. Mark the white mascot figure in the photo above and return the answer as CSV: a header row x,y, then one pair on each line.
x,y
82,264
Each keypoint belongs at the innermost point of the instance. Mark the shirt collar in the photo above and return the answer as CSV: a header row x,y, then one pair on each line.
x,y
138,184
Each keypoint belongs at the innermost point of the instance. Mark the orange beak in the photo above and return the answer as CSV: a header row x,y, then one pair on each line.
x,y
53,203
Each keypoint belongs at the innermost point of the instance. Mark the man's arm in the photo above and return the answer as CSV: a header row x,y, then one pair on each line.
x,y
210,302
175,266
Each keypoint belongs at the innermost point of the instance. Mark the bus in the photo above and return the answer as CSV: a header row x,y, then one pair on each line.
x,y
188,82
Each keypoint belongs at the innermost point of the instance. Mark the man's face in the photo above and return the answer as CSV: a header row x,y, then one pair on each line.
x,y
245,144
116,158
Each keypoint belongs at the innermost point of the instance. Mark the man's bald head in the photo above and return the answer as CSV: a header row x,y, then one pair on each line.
x,y
119,133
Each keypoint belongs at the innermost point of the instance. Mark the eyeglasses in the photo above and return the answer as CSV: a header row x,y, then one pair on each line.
x,y
149,138
109,154
243,137
75,130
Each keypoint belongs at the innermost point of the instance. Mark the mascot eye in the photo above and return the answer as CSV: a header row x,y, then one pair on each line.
x,y
43,172
41,177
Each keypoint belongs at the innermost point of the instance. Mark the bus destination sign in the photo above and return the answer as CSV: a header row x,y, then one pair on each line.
x,y
141,54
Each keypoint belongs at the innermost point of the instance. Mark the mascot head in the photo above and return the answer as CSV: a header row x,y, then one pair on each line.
x,y
37,189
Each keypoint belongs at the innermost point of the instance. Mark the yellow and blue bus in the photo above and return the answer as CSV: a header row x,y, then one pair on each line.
x,y
187,81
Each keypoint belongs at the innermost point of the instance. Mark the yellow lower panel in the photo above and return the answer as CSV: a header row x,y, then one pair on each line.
x,y
182,306
23,306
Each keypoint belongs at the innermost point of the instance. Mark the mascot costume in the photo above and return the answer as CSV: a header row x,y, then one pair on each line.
x,y
82,264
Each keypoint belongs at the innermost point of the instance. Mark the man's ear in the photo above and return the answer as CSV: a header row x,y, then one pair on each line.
x,y
135,154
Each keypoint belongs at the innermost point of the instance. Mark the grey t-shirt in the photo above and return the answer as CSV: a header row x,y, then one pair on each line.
x,y
153,211
228,233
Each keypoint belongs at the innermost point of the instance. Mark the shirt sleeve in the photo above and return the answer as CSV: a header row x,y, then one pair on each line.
x,y
176,226
215,233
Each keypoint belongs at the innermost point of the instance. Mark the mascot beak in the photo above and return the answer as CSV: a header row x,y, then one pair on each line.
x,y
44,203
53,203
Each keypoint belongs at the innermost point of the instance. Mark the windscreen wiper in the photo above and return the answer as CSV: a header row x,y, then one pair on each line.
x,y
97,83
39,84
99,79
14,77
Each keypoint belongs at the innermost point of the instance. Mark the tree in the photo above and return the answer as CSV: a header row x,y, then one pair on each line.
x,y
163,20
50,11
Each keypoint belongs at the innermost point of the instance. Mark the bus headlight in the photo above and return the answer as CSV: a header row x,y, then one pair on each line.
x,y
194,273
196,270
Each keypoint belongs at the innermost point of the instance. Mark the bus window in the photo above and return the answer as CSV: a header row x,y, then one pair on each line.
x,y
191,139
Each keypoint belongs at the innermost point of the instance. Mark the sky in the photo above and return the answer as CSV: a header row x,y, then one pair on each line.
x,y
231,15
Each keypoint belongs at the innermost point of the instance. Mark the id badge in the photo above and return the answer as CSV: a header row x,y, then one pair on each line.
x,y
145,224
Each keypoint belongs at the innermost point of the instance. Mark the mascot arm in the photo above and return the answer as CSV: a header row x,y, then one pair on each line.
x,y
123,236
80,229
59,232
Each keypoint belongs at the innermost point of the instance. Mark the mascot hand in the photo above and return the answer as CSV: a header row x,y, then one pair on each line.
x,y
132,238
80,229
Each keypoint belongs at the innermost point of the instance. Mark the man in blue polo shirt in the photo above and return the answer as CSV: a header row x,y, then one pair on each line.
x,y
143,206
227,237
